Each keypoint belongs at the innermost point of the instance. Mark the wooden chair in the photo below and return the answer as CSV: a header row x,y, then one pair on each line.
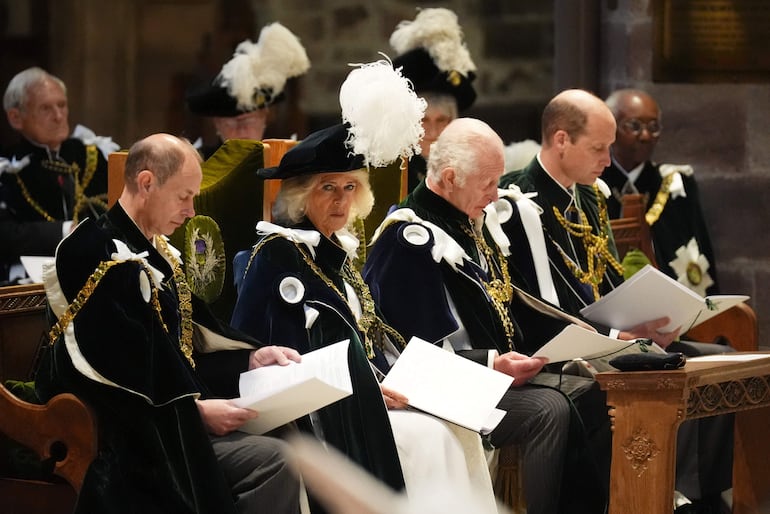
x,y
738,324
63,430
632,231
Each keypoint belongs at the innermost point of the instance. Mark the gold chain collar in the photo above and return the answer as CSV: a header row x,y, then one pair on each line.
x,y
370,325
81,200
656,209
598,254
87,290
185,300
499,288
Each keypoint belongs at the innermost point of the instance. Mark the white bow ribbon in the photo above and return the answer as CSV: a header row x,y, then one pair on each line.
x,y
529,213
348,242
310,238
495,230
444,247
124,253
105,144
677,184
14,165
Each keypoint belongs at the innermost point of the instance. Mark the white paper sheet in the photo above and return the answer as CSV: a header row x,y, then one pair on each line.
x,y
33,265
446,385
575,342
284,393
650,294
729,357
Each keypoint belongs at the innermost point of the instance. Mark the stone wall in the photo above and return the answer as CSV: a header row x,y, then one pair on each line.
x,y
723,130
511,44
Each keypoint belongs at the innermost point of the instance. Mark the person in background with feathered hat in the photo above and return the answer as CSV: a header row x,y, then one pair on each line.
x,y
238,99
434,57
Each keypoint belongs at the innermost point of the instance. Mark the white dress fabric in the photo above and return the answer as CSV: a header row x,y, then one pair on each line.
x,y
439,456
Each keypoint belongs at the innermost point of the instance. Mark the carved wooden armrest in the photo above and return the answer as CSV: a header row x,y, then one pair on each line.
x,y
64,428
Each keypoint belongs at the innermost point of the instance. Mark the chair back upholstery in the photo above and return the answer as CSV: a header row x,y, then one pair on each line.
x,y
232,195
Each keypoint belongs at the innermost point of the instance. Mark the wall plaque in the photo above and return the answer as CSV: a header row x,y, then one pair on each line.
x,y
711,40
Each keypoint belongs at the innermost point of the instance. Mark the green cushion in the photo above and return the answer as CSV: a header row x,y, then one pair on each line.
x,y
633,261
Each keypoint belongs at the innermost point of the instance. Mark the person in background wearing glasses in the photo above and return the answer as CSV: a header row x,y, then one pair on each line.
x,y
681,239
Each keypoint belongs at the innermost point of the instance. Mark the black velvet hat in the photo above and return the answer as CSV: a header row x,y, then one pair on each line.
x,y
433,55
323,151
418,66
254,77
211,99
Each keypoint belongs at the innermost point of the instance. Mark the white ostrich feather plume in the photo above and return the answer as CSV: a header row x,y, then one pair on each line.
x,y
384,113
263,66
438,32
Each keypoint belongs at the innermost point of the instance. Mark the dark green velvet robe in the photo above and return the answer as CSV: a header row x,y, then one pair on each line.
x,y
550,194
154,452
358,425
23,230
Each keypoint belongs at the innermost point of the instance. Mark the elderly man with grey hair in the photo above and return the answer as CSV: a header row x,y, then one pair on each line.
x,y
48,180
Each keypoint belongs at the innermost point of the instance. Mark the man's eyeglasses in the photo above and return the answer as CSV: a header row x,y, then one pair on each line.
x,y
635,127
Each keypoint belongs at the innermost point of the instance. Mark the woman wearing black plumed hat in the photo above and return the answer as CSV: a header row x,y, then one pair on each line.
x,y
238,99
301,286
434,57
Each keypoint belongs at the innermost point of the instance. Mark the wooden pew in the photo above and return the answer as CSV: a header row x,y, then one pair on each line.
x,y
64,429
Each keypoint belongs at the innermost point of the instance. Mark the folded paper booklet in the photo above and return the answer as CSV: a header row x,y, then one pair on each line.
x,y
576,342
284,393
448,386
650,294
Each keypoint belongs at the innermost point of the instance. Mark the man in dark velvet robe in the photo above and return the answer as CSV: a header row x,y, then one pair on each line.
x,y
50,178
123,342
438,271
680,236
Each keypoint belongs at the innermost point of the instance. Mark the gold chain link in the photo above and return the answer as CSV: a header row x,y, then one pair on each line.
x,y
598,254
499,287
185,301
